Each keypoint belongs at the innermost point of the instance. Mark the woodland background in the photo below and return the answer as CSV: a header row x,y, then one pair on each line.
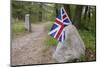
x,y
82,16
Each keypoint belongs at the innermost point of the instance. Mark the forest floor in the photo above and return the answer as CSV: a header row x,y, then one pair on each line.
x,y
30,48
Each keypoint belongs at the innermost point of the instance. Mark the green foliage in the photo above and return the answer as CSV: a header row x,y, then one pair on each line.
x,y
37,11
72,11
90,44
19,9
17,26
51,41
47,12
90,22
87,26
89,39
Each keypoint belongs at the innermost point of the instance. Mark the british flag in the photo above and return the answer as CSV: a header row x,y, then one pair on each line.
x,y
57,31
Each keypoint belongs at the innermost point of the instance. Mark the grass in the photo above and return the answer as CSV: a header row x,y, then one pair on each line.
x,y
17,26
89,41
50,41
90,44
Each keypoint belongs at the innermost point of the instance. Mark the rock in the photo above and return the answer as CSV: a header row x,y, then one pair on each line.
x,y
72,48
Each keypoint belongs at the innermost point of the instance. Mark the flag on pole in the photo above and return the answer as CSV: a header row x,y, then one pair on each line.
x,y
57,30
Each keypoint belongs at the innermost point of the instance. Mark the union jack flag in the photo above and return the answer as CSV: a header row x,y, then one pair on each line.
x,y
57,31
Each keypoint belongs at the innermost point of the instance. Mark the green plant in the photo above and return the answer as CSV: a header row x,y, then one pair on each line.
x,y
17,26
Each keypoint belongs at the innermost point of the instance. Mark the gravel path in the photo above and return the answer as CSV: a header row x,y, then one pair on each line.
x,y
30,49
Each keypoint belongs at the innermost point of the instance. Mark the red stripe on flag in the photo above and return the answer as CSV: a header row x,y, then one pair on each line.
x,y
59,22
61,28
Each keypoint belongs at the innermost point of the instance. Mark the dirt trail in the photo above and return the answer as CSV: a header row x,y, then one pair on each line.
x,y
30,49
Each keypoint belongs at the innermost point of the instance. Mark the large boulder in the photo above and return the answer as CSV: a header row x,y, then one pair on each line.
x,y
72,48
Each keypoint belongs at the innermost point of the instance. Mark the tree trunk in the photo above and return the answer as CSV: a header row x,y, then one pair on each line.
x,y
40,13
85,13
77,16
57,11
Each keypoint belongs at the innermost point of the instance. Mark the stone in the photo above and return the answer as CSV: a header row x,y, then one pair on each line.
x,y
72,48
27,22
